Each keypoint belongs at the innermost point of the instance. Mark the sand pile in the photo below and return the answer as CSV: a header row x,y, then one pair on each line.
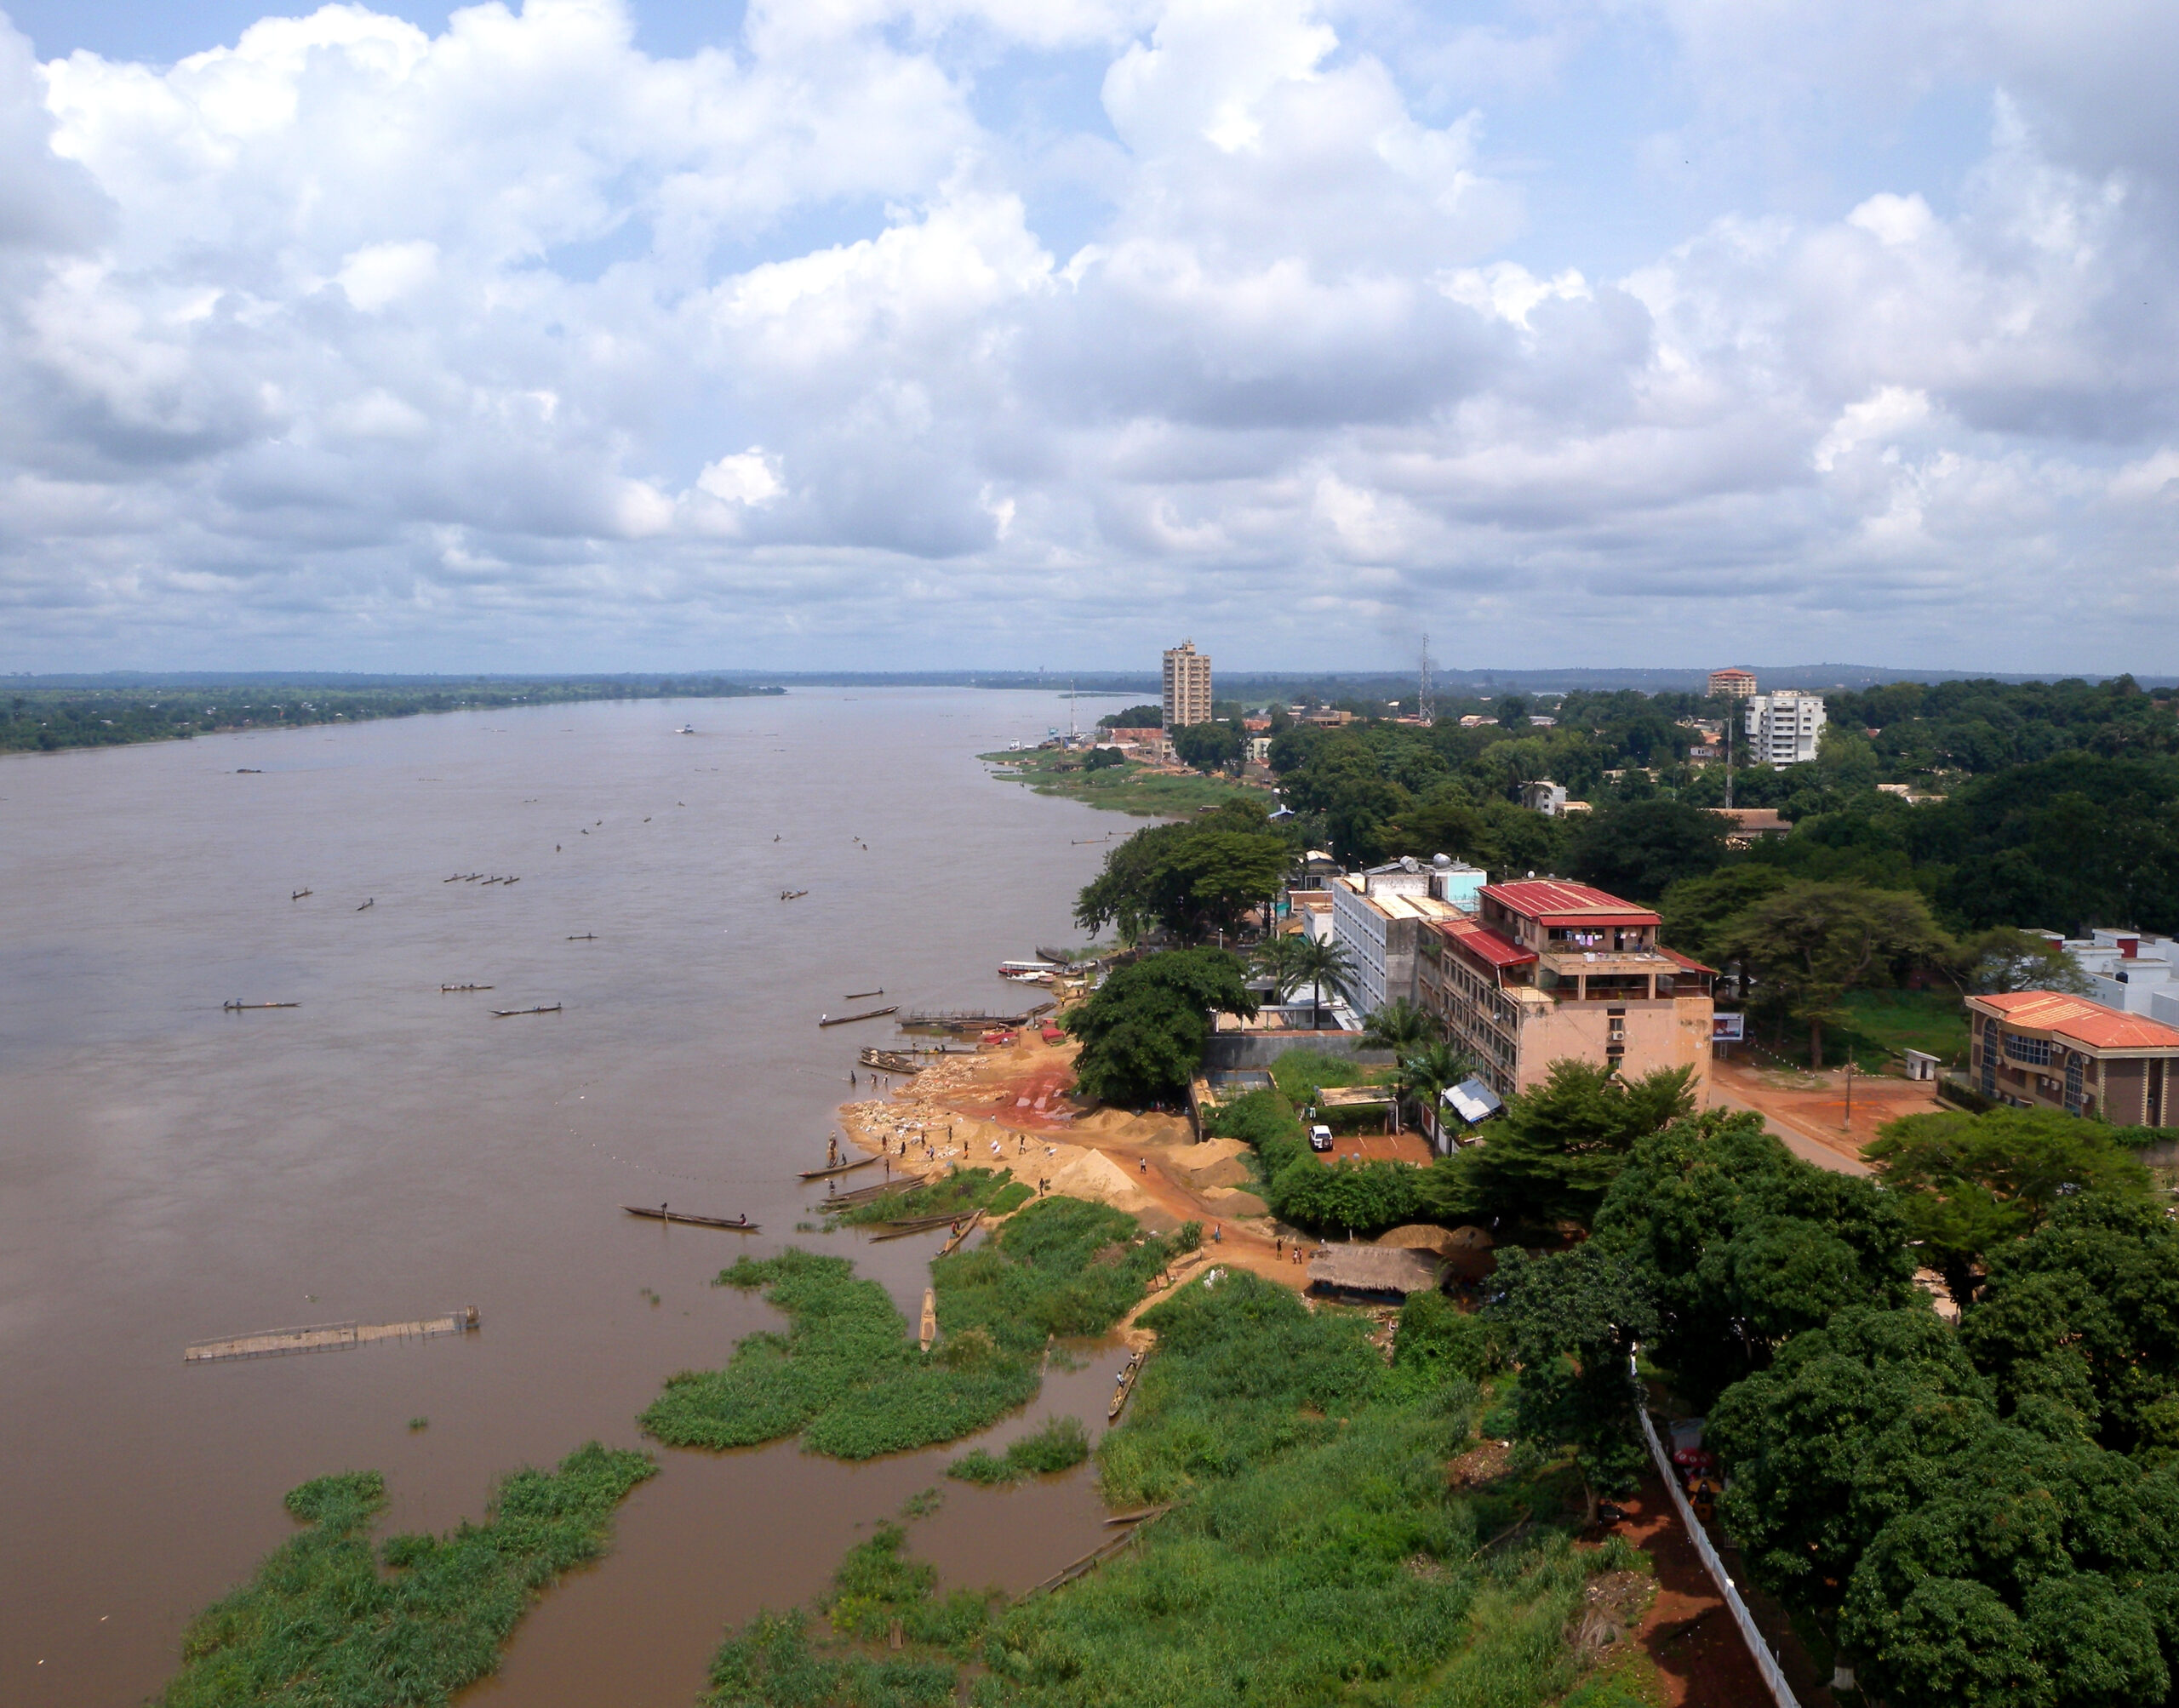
x,y
1214,1162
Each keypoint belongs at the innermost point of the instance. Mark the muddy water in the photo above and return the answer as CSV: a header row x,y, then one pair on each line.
x,y
171,1172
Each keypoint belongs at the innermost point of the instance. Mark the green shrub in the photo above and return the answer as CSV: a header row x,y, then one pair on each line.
x,y
1437,1340
1061,1445
848,1379
322,1623
1363,1198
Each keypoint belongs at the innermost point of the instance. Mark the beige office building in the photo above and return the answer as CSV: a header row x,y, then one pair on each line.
x,y
1187,686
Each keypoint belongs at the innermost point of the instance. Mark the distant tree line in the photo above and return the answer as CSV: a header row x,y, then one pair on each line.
x,y
46,719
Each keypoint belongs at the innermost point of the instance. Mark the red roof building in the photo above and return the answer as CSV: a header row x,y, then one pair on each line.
x,y
1547,970
2045,1049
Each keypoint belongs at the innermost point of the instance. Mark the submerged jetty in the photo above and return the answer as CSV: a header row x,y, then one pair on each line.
x,y
327,1337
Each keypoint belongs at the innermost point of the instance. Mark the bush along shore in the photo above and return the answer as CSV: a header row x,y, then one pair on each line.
x,y
328,1621
1314,1551
850,1380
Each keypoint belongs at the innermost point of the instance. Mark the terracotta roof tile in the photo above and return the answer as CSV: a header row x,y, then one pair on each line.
x,y
1554,899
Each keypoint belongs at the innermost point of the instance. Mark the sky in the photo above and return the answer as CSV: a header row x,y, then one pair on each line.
x,y
1009,334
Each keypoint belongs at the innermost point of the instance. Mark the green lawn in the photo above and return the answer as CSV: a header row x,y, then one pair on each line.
x,y
1128,788
1887,1022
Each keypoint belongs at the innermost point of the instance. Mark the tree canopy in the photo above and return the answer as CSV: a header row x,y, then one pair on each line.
x,y
1640,850
1209,747
1143,1030
1191,878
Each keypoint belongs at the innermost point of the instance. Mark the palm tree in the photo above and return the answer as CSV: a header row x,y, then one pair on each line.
x,y
1323,964
1399,1026
1428,1071
1275,959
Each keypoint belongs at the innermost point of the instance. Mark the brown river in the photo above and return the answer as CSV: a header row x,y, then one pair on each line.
x,y
172,1172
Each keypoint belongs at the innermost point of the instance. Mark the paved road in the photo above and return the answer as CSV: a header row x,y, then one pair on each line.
x,y
1807,1148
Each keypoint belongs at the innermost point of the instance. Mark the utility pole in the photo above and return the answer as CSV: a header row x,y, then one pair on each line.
x,y
1732,716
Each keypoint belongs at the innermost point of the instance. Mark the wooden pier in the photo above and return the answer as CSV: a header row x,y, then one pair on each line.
x,y
327,1337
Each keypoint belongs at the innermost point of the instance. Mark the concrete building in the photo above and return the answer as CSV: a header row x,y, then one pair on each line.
x,y
1547,970
2041,1049
1543,796
1783,728
1734,683
1187,686
2134,972
1377,916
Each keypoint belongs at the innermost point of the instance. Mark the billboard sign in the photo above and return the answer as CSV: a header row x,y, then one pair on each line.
x,y
1727,1028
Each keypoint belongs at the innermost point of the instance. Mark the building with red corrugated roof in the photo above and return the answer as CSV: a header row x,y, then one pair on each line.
x,y
2043,1049
1547,970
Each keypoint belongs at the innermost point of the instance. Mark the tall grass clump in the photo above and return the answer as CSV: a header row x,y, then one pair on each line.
x,y
848,1379
955,1194
327,1622
1317,1553
1059,1445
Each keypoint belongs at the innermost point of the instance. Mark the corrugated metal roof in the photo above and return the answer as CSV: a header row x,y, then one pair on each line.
x,y
1486,945
2080,1019
1686,961
1552,899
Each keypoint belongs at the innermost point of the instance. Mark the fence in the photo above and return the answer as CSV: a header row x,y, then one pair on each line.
x,y
1765,1662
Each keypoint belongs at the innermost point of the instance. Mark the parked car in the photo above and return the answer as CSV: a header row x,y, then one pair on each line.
x,y
1320,1137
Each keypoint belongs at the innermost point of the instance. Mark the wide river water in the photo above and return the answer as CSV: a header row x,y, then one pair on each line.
x,y
172,1172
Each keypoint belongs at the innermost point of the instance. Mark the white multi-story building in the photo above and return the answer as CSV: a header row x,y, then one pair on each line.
x,y
1377,915
1783,727
2135,972
1187,686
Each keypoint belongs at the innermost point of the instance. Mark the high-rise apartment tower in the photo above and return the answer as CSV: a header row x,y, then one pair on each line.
x,y
1187,686
1783,727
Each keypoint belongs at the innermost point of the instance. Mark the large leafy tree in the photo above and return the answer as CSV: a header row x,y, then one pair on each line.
x,y
1696,911
1810,944
1641,849
1191,879
1557,1148
1572,1322
1973,1185
1847,1429
2085,1312
1746,1246
1143,1030
1209,747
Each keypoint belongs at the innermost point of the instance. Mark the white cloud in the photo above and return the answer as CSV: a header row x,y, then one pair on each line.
x,y
512,342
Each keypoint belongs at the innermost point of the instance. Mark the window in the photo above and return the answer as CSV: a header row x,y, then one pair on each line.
x,y
1989,1061
2035,1052
2073,1086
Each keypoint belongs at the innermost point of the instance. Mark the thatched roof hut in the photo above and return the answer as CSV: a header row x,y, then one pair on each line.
x,y
1373,1271
1465,1251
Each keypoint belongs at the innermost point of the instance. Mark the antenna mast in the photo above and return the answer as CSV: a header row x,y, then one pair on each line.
x,y
1423,709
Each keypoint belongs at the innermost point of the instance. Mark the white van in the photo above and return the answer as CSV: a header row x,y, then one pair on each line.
x,y
1320,1137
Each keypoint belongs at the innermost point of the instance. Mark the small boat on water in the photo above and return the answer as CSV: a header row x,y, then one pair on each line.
x,y
464,987
507,1013
231,1006
852,995
587,937
661,1213
891,1061
1124,1386
686,729
849,1019
373,902
792,894
1028,971
840,1168
301,893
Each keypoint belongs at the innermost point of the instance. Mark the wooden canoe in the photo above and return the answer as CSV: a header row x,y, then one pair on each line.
x,y
663,1214
840,1168
929,1318
866,1015
967,1227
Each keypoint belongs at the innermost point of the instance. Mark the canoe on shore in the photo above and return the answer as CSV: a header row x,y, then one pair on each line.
x,y
866,1015
966,1228
891,1060
661,1214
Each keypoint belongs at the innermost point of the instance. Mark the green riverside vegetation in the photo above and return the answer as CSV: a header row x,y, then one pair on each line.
x,y
328,1621
955,1194
850,1380
1126,787
1059,1445
1315,1553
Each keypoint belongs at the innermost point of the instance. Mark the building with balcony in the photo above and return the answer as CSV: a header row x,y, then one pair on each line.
x,y
1378,918
1783,728
1547,970
2042,1050
1187,686
1732,684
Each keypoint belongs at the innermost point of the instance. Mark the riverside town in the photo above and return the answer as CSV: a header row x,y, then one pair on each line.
x,y
1507,1192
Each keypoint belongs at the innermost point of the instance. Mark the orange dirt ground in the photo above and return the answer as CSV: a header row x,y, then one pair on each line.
x,y
1818,1111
